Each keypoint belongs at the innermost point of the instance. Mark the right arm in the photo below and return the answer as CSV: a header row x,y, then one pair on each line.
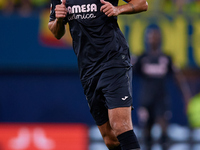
x,y
183,85
57,27
132,7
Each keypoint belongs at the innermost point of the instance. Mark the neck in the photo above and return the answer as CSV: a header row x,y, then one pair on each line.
x,y
154,50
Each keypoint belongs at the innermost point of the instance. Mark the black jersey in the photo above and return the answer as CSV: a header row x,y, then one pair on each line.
x,y
153,68
97,39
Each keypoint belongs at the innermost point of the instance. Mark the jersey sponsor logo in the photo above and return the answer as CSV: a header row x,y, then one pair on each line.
x,y
82,8
158,69
124,98
85,11
81,16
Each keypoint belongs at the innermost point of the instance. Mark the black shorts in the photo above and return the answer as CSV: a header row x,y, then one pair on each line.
x,y
156,102
109,89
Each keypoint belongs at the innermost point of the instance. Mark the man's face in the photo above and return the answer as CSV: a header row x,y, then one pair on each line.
x,y
153,37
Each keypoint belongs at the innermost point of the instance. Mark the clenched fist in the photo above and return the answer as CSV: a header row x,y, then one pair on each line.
x,y
109,9
61,10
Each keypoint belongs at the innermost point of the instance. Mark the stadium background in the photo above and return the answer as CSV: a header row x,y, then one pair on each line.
x,y
39,81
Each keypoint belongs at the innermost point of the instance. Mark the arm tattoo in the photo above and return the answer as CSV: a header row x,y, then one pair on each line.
x,y
132,6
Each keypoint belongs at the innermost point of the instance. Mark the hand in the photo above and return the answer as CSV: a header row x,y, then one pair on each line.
x,y
109,9
61,10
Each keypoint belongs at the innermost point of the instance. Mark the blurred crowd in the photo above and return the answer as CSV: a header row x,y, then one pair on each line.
x,y
22,7
180,6
26,7
175,6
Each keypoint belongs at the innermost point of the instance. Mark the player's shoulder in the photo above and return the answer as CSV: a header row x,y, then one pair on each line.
x,y
127,0
56,2
165,54
144,53
142,56
168,57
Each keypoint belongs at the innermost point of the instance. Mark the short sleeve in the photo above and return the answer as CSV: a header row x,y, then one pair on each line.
x,y
170,65
137,66
52,9
126,1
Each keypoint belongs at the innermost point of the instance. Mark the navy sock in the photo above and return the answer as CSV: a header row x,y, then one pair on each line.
x,y
116,148
128,140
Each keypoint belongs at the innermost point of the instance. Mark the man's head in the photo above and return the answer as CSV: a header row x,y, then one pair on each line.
x,y
153,38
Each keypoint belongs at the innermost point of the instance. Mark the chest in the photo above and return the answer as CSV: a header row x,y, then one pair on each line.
x,y
155,60
154,66
80,6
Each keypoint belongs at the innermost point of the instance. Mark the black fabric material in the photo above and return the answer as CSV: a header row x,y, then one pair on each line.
x,y
116,148
128,140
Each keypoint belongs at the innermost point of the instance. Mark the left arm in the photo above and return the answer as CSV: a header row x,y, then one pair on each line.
x,y
183,85
132,7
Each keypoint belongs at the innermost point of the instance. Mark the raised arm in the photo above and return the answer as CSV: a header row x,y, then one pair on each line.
x,y
57,27
132,7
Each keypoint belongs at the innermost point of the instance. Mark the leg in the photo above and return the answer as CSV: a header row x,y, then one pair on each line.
x,y
163,124
109,137
162,118
147,134
120,120
110,105
121,124
164,139
149,124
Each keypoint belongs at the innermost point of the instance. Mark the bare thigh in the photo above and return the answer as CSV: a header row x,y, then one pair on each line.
x,y
120,120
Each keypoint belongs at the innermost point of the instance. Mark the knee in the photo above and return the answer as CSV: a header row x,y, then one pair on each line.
x,y
108,135
120,120
111,142
121,127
